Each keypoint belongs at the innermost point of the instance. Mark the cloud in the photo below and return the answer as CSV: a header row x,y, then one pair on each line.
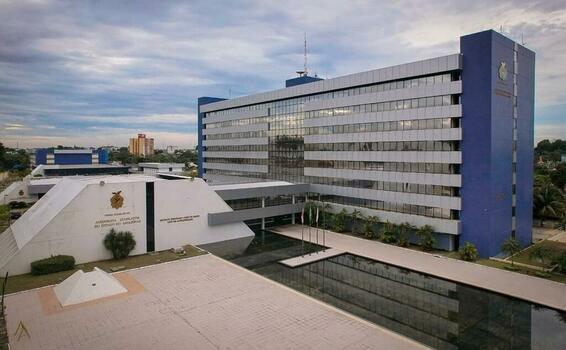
x,y
98,72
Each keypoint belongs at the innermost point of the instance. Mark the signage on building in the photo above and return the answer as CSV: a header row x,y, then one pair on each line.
x,y
117,201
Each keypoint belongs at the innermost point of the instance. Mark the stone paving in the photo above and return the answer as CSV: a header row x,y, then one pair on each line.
x,y
533,289
197,303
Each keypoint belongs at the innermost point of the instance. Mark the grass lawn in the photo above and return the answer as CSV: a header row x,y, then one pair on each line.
x,y
27,281
526,271
523,257
557,248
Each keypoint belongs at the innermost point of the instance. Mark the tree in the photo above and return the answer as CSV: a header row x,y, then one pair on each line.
x,y
540,252
426,237
119,243
388,233
468,252
511,246
356,216
558,176
403,230
369,226
561,225
339,221
326,216
548,202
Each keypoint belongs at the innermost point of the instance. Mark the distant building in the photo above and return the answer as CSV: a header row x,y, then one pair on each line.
x,y
49,156
141,146
154,168
172,149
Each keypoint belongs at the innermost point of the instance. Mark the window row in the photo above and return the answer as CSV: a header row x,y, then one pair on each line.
x,y
373,88
237,135
237,148
405,187
246,203
252,161
407,167
385,146
401,125
434,101
432,212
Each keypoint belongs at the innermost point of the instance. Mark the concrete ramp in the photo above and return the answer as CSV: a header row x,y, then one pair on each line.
x,y
82,286
312,257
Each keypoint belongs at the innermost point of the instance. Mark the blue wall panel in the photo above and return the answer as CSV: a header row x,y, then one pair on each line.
x,y
68,159
487,143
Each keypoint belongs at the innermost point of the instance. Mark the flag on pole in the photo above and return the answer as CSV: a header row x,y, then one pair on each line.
x,y
316,215
303,216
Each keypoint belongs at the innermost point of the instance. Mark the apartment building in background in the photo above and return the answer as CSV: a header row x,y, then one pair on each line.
x,y
141,146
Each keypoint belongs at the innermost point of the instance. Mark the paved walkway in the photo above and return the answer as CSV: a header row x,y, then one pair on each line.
x,y
311,257
533,289
197,303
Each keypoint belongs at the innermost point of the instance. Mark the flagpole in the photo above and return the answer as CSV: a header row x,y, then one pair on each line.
x,y
317,228
310,223
323,225
303,232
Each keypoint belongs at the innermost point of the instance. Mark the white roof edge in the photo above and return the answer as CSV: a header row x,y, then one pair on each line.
x,y
314,87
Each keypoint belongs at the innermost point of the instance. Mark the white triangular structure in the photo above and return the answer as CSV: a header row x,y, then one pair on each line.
x,y
82,286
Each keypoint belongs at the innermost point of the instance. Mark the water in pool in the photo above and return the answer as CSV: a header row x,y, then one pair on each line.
x,y
433,311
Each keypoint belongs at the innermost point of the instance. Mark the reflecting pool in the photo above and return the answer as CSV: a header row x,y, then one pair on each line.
x,y
433,311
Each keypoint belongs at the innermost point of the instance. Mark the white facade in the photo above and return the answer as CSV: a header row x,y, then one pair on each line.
x,y
76,214
154,168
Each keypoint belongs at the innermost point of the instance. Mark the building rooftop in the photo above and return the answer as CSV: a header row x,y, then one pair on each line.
x,y
202,303
161,165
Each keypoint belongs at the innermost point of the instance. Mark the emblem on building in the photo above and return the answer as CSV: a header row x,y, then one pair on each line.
x,y
503,70
116,201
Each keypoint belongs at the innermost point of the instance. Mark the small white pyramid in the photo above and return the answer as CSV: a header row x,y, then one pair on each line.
x,y
82,286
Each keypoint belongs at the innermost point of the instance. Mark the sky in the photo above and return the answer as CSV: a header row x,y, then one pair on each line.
x,y
93,73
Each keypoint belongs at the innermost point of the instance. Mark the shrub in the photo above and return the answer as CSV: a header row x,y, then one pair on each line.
x,y
560,262
468,252
387,234
17,205
53,264
426,237
119,243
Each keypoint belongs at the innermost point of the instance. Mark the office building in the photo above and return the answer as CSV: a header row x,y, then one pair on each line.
x,y
141,146
154,168
446,142
50,156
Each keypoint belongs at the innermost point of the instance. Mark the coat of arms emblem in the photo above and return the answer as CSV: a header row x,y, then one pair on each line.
x,y
116,201
503,70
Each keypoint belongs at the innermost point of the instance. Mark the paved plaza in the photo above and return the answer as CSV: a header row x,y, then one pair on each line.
x,y
197,303
533,289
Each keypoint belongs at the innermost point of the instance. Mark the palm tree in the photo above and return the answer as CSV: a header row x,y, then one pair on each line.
x,y
548,201
426,237
325,212
561,225
511,246
369,226
541,252
356,215
339,220
403,233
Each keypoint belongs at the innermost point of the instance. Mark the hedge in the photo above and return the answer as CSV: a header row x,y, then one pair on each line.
x,y
53,264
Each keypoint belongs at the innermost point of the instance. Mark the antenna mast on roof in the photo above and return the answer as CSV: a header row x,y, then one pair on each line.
x,y
304,72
